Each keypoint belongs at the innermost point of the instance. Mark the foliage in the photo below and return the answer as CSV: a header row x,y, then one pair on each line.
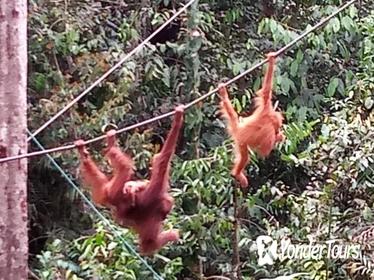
x,y
102,255
317,186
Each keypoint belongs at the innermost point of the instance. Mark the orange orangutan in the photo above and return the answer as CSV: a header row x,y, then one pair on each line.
x,y
258,132
138,204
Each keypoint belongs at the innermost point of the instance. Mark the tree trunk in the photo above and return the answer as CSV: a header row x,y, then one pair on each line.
x,y
13,113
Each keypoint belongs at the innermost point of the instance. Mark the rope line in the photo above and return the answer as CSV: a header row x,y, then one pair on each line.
x,y
93,207
110,71
194,102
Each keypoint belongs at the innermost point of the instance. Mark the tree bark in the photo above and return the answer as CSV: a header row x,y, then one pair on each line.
x,y
235,238
13,123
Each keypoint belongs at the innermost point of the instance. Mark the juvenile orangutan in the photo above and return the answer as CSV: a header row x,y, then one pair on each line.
x,y
258,132
142,205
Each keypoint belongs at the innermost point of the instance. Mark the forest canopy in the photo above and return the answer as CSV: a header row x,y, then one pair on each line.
x,y
314,187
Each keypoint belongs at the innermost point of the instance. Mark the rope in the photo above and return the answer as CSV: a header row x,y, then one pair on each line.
x,y
194,102
91,205
110,71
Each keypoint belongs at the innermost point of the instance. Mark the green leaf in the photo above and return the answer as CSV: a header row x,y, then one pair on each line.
x,y
369,102
352,11
302,113
261,26
40,81
331,89
335,25
112,245
347,23
299,56
325,130
236,69
166,77
273,26
294,68
257,83
285,84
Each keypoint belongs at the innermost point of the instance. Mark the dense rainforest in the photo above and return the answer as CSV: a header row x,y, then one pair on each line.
x,y
315,187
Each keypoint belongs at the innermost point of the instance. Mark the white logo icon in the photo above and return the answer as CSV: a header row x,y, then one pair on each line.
x,y
267,250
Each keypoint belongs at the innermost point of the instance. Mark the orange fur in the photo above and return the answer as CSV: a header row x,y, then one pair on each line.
x,y
105,192
139,204
258,132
